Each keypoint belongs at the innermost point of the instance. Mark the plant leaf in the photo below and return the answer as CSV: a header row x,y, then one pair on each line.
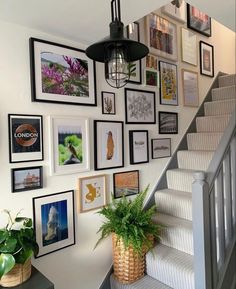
x,y
3,235
8,246
7,262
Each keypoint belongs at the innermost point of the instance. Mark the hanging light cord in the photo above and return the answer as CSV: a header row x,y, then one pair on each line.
x,y
115,10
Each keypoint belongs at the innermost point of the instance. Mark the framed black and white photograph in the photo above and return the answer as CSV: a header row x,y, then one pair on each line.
x,y
27,179
125,184
190,88
61,74
177,12
206,59
108,144
138,144
161,148
108,103
189,46
54,221
140,106
168,122
25,138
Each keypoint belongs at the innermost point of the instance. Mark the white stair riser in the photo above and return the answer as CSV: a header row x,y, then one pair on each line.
x,y
212,123
194,160
203,141
219,107
180,181
227,80
223,93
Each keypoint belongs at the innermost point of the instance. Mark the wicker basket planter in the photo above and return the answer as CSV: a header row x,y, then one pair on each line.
x,y
18,274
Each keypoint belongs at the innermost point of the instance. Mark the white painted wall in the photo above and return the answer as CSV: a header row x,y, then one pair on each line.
x,y
80,266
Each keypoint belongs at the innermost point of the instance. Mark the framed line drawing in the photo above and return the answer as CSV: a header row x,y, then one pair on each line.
x,y
25,179
108,144
61,74
189,46
54,221
198,21
168,122
168,83
206,59
70,150
126,183
190,88
139,147
140,106
25,138
174,12
108,103
162,37
92,192
161,148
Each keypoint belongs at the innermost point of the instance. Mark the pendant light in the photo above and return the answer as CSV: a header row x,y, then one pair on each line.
x,y
116,51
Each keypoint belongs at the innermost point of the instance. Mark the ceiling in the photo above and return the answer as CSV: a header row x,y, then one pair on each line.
x,y
86,21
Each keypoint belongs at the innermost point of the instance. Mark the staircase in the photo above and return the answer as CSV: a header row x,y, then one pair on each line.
x,y
171,264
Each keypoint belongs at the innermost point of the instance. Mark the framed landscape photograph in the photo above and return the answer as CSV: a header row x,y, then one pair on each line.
x,y
178,13
190,88
54,222
61,74
198,21
25,138
108,103
161,37
206,59
138,145
161,148
92,192
126,183
140,106
151,77
189,46
69,145
108,144
168,83
27,179
168,122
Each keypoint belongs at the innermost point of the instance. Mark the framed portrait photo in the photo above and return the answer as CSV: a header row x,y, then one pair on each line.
x,y
140,106
189,46
61,74
125,183
70,148
54,222
108,144
177,13
25,138
161,37
92,192
206,59
190,88
161,148
168,122
168,83
27,179
198,21
108,103
138,145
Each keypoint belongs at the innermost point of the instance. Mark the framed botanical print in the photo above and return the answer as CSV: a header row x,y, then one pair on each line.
x,y
138,144
189,46
70,151
92,192
168,122
206,59
25,138
161,148
108,144
190,88
108,103
162,37
140,106
61,74
126,183
175,12
168,83
54,222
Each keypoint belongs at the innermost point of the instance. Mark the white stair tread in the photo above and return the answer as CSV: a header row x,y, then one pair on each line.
x,y
220,107
171,267
227,80
207,141
194,160
175,203
146,282
221,93
213,123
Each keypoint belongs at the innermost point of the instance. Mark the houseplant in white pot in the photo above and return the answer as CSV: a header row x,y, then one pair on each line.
x,y
17,245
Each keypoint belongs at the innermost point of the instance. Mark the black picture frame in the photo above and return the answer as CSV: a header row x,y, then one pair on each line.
x,y
198,24
161,148
110,133
31,179
25,133
168,122
126,183
106,107
138,146
76,62
206,59
140,106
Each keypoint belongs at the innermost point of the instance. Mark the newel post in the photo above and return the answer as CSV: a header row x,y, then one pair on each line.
x,y
201,232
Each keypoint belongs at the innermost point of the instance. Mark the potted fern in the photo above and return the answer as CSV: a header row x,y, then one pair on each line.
x,y
133,232
17,245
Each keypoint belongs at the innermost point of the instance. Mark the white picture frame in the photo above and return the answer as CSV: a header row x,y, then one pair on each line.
x,y
190,88
189,46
